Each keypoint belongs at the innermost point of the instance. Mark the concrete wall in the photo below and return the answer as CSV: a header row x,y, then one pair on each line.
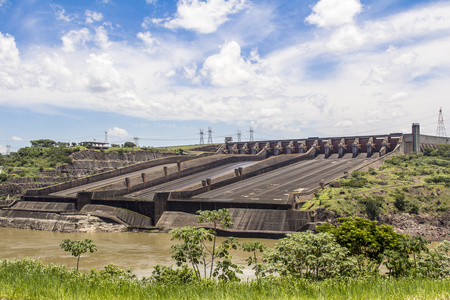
x,y
106,175
258,168
171,173
256,223
424,141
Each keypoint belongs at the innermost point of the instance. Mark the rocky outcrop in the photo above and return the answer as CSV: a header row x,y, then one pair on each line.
x,y
430,227
89,162
50,221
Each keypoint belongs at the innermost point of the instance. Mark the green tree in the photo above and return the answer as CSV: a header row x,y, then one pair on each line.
x,y
44,143
76,248
196,250
309,255
363,237
254,248
373,205
129,145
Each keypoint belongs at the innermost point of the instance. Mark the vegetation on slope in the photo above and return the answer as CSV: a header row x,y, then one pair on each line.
x,y
413,183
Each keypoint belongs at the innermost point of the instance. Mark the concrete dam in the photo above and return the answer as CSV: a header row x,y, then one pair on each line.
x,y
262,183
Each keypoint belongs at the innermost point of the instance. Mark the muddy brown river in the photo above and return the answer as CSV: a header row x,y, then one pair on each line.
x,y
138,251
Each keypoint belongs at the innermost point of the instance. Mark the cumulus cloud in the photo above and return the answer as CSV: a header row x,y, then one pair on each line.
x,y
356,82
202,16
228,68
92,16
118,132
102,75
75,38
16,138
348,37
150,43
10,63
101,37
331,13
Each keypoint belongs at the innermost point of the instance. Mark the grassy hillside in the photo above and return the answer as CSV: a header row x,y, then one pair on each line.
x,y
413,183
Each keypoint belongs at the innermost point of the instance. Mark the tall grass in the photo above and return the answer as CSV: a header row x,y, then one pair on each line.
x,y
29,279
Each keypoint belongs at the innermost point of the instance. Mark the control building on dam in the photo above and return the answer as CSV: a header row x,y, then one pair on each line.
x,y
262,183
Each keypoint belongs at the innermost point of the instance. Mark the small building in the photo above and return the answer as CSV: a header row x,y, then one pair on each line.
x,y
95,145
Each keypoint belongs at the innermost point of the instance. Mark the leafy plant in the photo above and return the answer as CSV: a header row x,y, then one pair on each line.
x,y
76,248
363,237
254,248
309,255
212,261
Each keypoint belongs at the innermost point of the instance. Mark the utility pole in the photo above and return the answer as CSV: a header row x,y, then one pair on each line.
x,y
210,135
440,131
202,141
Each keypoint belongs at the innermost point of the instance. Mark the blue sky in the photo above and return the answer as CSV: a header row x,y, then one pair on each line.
x,y
162,70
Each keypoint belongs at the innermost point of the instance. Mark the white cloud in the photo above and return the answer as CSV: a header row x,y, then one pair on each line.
x,y
92,16
118,132
147,22
151,43
101,74
16,138
150,1
101,37
229,68
74,38
10,63
61,13
348,37
193,80
331,13
202,16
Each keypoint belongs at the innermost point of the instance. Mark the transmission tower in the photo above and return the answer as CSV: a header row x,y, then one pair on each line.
x,y
202,141
251,134
106,137
8,149
440,131
210,135
136,141
239,136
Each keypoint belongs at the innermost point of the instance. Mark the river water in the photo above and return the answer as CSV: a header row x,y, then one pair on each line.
x,y
138,251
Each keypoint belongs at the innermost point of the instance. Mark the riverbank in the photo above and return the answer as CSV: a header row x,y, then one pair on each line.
x,y
28,279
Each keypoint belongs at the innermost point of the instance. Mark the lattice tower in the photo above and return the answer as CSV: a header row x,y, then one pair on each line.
x,y
440,131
